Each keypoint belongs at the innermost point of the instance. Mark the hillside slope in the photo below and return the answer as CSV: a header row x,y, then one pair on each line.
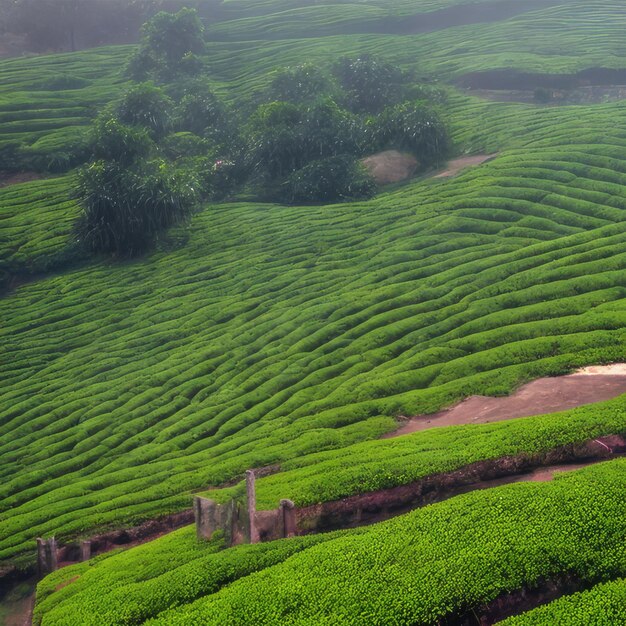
x,y
263,333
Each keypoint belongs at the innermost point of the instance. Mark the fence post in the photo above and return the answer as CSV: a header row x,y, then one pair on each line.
x,y
288,515
42,561
85,550
251,505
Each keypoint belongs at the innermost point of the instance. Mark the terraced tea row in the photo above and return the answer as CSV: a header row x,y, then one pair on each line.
x,y
305,328
437,562
36,221
46,102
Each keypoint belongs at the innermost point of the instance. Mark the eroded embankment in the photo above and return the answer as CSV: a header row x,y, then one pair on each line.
x,y
377,506
541,396
99,544
518,601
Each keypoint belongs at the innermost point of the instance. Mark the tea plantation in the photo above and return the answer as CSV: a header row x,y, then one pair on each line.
x,y
260,334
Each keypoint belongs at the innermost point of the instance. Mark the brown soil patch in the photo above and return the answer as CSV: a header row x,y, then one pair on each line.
x,y
456,165
7,179
390,166
545,395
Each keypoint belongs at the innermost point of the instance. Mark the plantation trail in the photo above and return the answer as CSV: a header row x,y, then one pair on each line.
x,y
456,165
544,395
20,612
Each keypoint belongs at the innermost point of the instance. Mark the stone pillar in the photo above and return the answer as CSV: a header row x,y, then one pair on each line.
x,y
42,559
211,516
46,556
251,506
52,554
85,550
288,517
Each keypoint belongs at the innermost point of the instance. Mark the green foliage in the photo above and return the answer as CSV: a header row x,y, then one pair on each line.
x,y
414,127
604,605
283,137
374,465
421,568
135,585
126,207
307,329
146,105
334,179
370,83
201,112
114,141
171,44
300,84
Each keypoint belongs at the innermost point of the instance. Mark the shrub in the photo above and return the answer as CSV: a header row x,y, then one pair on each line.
x,y
126,207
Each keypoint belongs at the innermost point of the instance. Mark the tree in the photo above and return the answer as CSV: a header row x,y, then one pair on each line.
x,y
127,194
201,112
146,105
124,209
171,44
412,126
300,84
285,137
370,83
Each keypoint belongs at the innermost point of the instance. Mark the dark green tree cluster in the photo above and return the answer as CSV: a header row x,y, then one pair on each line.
x,y
356,107
171,46
129,192
170,141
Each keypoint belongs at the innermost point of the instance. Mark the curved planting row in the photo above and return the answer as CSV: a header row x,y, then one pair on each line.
x,y
442,561
127,386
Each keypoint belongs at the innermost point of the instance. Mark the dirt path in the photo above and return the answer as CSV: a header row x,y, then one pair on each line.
x,y
7,179
456,165
545,395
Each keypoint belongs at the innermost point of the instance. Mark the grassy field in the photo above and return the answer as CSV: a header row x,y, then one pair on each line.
x,y
262,334
446,559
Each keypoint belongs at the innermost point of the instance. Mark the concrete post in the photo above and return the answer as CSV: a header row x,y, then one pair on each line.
x,y
251,506
52,554
288,517
42,560
85,550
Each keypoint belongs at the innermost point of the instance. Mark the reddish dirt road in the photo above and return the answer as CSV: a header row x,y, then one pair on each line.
x,y
545,395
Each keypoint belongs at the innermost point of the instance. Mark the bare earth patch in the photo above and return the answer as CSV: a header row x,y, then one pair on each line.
x,y
7,179
456,165
545,395
390,166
